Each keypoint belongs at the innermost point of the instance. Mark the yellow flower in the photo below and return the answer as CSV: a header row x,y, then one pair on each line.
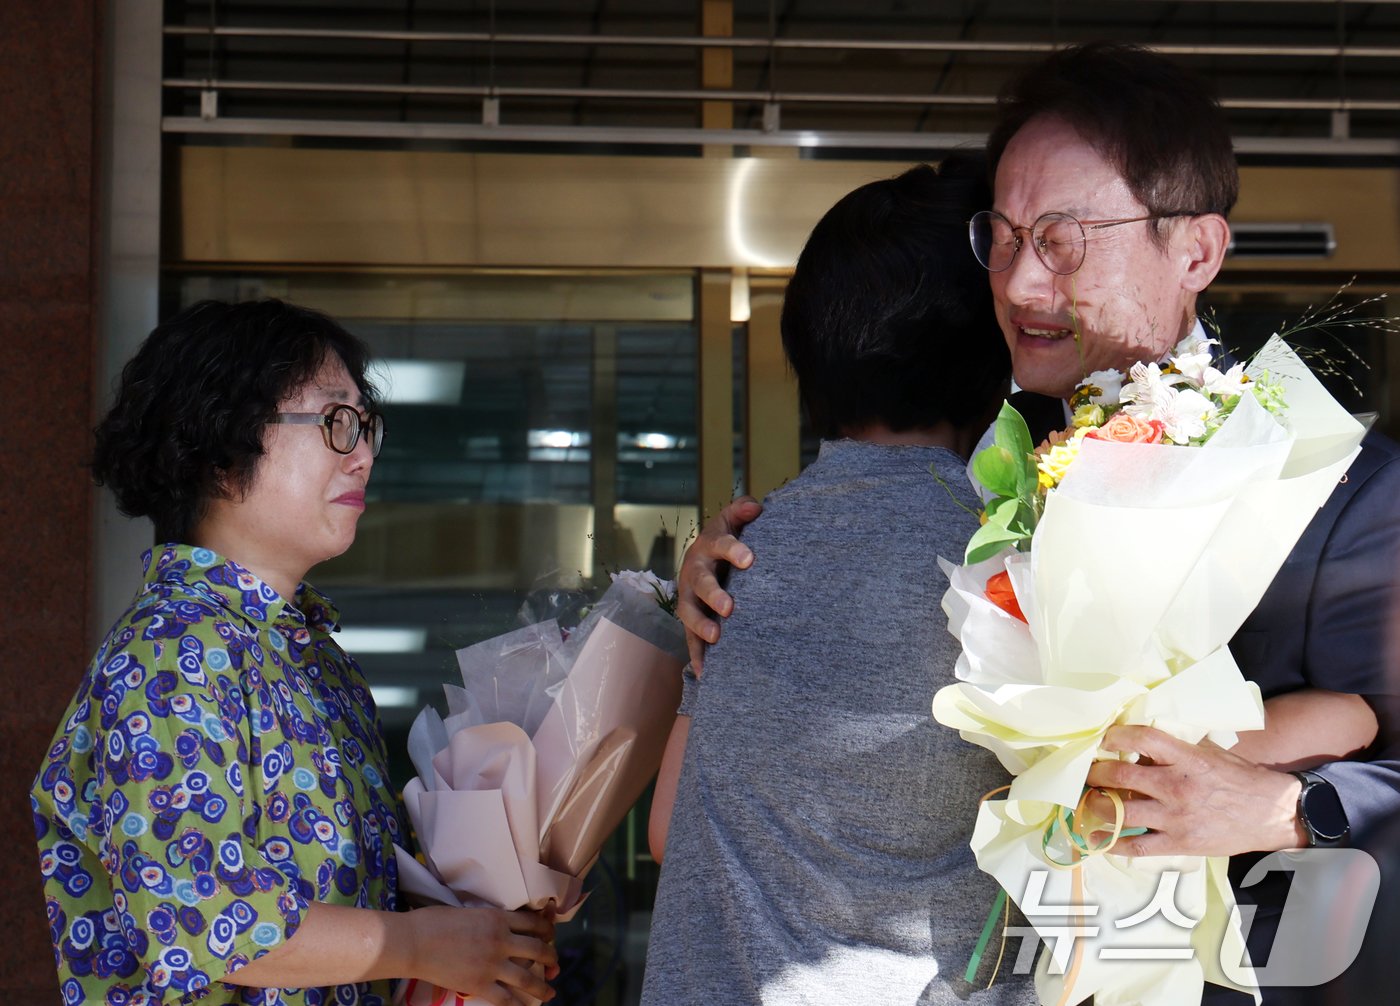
x,y
1088,415
1056,461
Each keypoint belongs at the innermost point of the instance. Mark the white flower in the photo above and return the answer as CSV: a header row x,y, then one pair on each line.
x,y
1108,382
1193,357
644,581
1183,412
1186,414
1190,345
1197,365
1227,385
1146,390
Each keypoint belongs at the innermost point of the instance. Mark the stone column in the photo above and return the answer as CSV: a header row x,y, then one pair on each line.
x,y
50,82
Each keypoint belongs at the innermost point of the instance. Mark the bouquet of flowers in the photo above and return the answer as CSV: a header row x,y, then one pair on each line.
x,y
1115,564
549,741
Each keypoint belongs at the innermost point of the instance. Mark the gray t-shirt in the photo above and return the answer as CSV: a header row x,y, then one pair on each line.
x,y
818,851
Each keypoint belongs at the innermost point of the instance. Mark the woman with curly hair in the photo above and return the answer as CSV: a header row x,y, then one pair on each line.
x,y
214,815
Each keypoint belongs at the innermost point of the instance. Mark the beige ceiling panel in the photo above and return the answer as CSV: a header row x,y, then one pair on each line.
x,y
417,209
426,209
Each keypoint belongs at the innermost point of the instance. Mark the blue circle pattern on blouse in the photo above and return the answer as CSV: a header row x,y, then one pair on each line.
x,y
219,768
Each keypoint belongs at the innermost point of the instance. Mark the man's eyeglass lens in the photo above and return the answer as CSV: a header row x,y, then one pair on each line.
x,y
1058,240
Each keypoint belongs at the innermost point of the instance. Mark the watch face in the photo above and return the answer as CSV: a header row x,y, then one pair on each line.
x,y
1323,811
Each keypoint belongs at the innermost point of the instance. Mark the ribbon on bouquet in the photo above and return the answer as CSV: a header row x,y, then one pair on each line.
x,y
1072,825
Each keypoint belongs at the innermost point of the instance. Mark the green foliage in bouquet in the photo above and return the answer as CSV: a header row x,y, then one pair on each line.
x,y
1007,470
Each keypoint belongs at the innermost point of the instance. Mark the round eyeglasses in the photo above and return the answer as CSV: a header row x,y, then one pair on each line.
x,y
341,425
1058,238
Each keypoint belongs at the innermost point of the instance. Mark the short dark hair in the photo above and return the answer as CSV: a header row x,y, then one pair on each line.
x,y
191,407
1159,125
888,318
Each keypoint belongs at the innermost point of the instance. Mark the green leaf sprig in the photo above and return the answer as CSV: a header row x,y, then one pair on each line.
x,y
1007,470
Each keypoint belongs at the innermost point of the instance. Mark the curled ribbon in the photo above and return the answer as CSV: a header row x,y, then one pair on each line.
x,y
1073,825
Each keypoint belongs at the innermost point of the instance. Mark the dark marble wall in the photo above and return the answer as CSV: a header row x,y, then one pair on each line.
x,y
49,166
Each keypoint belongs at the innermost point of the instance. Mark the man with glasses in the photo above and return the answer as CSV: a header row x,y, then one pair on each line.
x,y
1116,169
1113,174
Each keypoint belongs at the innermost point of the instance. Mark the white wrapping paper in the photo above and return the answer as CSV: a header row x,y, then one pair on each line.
x,y
1146,561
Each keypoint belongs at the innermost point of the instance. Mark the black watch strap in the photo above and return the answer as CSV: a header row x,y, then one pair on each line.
x,y
1321,812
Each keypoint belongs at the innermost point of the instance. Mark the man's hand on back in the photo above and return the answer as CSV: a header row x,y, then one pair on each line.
x,y
699,595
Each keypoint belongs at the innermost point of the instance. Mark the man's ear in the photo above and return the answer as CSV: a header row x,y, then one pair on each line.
x,y
1204,240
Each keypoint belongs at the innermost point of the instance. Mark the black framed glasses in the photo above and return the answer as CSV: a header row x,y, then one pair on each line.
x,y
1058,238
341,425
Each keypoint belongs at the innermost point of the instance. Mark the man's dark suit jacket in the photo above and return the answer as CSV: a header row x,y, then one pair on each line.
x,y
1330,619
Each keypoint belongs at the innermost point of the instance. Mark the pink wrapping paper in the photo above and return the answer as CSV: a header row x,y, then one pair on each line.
x,y
602,741
512,820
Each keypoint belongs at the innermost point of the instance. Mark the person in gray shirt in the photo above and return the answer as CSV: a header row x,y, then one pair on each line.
x,y
811,817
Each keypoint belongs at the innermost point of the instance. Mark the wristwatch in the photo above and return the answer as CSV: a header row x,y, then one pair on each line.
x,y
1320,811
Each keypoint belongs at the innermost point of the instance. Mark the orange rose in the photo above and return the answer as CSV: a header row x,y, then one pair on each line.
x,y
999,592
1126,429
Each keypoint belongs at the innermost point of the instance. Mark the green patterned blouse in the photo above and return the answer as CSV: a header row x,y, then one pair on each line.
x,y
220,767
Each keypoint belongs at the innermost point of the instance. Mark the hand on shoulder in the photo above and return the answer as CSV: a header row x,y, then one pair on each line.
x,y
700,597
